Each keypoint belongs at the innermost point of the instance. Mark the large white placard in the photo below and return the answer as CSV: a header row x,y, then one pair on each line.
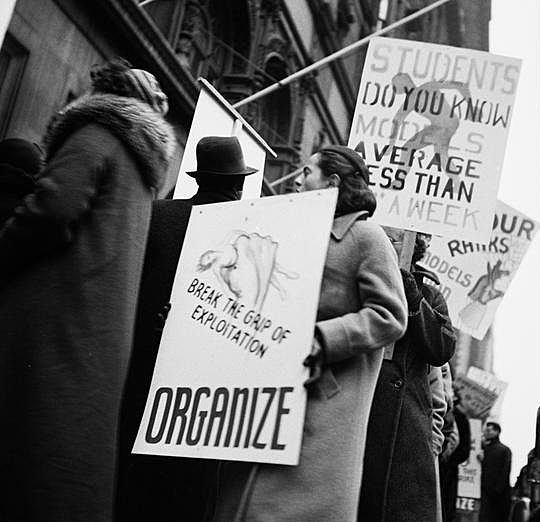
x,y
431,121
475,276
228,381
214,116
6,11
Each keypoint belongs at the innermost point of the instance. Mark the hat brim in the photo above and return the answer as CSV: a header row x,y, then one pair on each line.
x,y
245,172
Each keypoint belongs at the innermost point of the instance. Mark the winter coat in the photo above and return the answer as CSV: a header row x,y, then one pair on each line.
x,y
399,472
150,487
74,255
362,308
495,482
14,185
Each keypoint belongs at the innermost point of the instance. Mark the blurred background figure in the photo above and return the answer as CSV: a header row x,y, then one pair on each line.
x,y
496,463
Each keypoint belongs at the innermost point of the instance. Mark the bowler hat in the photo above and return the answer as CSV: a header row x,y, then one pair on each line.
x,y
220,155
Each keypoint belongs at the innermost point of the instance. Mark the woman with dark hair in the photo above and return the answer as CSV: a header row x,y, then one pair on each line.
x,y
70,264
362,309
399,482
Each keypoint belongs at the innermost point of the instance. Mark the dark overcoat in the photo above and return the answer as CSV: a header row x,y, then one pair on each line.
x,y
399,473
152,487
362,308
71,262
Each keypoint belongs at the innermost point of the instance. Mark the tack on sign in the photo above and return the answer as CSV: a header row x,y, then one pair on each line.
x,y
431,121
475,276
228,380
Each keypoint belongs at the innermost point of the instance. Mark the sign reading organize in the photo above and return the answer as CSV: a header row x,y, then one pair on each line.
x,y
431,122
228,380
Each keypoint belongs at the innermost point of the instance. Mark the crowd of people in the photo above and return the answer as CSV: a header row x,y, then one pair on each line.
x,y
87,262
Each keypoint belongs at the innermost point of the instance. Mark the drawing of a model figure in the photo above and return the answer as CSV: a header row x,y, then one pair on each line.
x,y
482,293
442,125
246,266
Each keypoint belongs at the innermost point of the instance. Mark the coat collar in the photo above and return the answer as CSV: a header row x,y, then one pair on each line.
x,y
143,131
428,274
342,224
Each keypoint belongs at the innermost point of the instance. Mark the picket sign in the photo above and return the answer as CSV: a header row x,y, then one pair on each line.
x,y
215,116
228,380
6,11
469,478
431,122
475,276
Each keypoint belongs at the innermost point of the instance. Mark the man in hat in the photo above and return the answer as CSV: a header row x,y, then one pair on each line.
x,y
161,488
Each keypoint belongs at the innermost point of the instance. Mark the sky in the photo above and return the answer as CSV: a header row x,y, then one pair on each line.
x,y
515,31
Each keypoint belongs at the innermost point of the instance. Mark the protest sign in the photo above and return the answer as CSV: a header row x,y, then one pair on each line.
x,y
475,276
6,11
228,380
475,398
431,121
469,478
214,116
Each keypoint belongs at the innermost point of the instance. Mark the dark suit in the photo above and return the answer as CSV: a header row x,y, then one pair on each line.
x,y
161,489
495,503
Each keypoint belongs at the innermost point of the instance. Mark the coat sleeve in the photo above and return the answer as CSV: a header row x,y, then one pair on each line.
x,y
47,219
431,330
382,318
439,409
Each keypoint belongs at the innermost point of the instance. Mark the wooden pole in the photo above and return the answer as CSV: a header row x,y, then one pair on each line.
x,y
407,249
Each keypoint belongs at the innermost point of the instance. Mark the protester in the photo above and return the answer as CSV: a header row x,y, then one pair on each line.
x,y
71,261
450,459
495,484
20,162
399,440
159,488
362,308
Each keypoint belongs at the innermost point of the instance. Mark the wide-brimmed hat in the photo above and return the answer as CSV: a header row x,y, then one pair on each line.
x,y
222,156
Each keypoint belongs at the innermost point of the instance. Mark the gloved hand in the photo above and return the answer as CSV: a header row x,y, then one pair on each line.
x,y
412,292
162,317
314,361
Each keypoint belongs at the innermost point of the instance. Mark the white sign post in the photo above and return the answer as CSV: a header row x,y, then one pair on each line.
x,y
475,276
431,121
6,11
228,381
214,116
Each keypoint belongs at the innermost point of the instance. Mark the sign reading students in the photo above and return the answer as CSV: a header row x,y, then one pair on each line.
x,y
475,276
228,381
214,116
431,122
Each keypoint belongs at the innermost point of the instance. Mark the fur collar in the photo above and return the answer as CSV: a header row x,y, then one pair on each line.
x,y
142,130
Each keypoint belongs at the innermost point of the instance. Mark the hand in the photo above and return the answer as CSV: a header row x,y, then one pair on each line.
x,y
412,292
314,362
162,317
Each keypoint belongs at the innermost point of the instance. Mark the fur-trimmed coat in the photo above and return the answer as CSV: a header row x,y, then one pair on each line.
x,y
70,265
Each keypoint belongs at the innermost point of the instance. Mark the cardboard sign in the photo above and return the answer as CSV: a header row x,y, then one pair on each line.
x,y
431,121
470,471
228,381
475,276
214,116
475,399
6,11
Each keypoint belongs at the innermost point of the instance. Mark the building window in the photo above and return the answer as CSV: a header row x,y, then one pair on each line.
x,y
13,57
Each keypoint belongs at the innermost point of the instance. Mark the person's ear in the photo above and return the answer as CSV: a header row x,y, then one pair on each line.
x,y
334,180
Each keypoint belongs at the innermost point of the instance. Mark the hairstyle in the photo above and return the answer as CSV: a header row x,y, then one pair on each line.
x,y
420,246
495,425
111,78
354,193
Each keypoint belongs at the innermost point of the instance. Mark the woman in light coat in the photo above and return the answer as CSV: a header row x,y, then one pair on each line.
x,y
70,265
362,309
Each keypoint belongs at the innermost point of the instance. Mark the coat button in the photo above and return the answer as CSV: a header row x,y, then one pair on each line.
x,y
398,384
